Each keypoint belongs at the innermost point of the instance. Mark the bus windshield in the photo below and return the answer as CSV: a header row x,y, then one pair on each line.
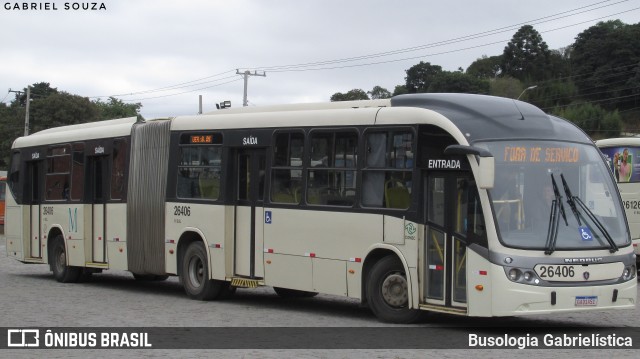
x,y
533,177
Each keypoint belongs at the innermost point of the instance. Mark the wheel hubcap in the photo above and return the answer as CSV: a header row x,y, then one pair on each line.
x,y
196,271
394,291
62,261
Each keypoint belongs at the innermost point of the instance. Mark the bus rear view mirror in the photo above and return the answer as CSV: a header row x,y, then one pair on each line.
x,y
486,163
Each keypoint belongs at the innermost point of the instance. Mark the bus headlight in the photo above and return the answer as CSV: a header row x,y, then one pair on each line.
x,y
522,275
629,272
514,274
528,276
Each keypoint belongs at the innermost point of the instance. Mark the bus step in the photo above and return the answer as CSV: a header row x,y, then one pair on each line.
x,y
244,282
96,265
441,309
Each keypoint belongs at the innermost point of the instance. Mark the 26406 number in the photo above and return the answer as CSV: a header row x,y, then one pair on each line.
x,y
181,211
556,271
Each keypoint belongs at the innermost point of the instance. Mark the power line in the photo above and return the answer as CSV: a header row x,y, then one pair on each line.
x,y
554,17
321,65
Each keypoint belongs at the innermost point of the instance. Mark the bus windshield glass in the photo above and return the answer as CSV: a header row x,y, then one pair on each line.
x,y
533,177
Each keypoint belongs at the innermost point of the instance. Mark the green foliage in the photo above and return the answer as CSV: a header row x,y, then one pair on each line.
x,y
606,62
379,92
61,109
400,90
593,119
420,76
526,56
425,77
460,83
486,67
116,108
352,95
506,87
52,108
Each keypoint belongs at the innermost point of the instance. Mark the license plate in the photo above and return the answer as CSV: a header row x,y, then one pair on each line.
x,y
586,301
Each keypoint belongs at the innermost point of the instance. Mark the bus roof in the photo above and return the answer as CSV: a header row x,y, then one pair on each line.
x,y
469,118
620,141
483,118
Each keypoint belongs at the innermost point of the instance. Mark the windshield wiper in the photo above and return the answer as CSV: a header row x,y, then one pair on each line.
x,y
556,191
572,200
554,219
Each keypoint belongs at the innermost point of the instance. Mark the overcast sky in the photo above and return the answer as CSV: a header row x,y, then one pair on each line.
x,y
164,54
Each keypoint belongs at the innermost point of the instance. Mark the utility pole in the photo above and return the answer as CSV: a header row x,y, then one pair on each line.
x,y
26,116
246,75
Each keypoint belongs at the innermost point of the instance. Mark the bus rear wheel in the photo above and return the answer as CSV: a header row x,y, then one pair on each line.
x,y
388,294
61,271
195,274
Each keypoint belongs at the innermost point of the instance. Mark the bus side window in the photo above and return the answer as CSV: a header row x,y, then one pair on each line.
x,y
14,175
386,180
286,172
118,169
57,186
199,172
332,172
77,172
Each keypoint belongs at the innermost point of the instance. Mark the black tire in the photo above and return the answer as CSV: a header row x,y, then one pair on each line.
x,y
387,292
195,273
293,293
61,271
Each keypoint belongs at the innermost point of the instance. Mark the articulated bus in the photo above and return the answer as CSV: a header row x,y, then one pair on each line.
x,y
464,204
622,155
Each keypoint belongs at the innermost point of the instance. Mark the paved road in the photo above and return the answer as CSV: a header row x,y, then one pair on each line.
x,y
29,296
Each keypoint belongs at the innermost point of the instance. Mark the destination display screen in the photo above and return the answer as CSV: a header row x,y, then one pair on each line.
x,y
201,139
541,154
210,138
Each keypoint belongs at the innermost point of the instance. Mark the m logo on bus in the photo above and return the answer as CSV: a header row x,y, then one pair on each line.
x,y
73,220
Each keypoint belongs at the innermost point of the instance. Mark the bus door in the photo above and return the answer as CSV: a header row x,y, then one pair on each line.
x,y
445,238
33,191
249,222
97,186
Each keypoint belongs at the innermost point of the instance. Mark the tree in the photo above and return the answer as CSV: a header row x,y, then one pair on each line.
x,y
38,90
420,76
61,109
458,82
116,108
593,119
526,56
352,95
400,90
379,93
506,87
606,60
486,67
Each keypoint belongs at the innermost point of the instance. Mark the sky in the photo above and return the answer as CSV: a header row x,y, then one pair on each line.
x,y
164,54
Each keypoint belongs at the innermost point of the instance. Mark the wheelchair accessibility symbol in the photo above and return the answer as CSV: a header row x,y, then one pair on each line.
x,y
585,233
267,217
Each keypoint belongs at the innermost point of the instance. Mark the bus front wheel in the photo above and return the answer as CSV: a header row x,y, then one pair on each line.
x,y
61,271
195,274
388,293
